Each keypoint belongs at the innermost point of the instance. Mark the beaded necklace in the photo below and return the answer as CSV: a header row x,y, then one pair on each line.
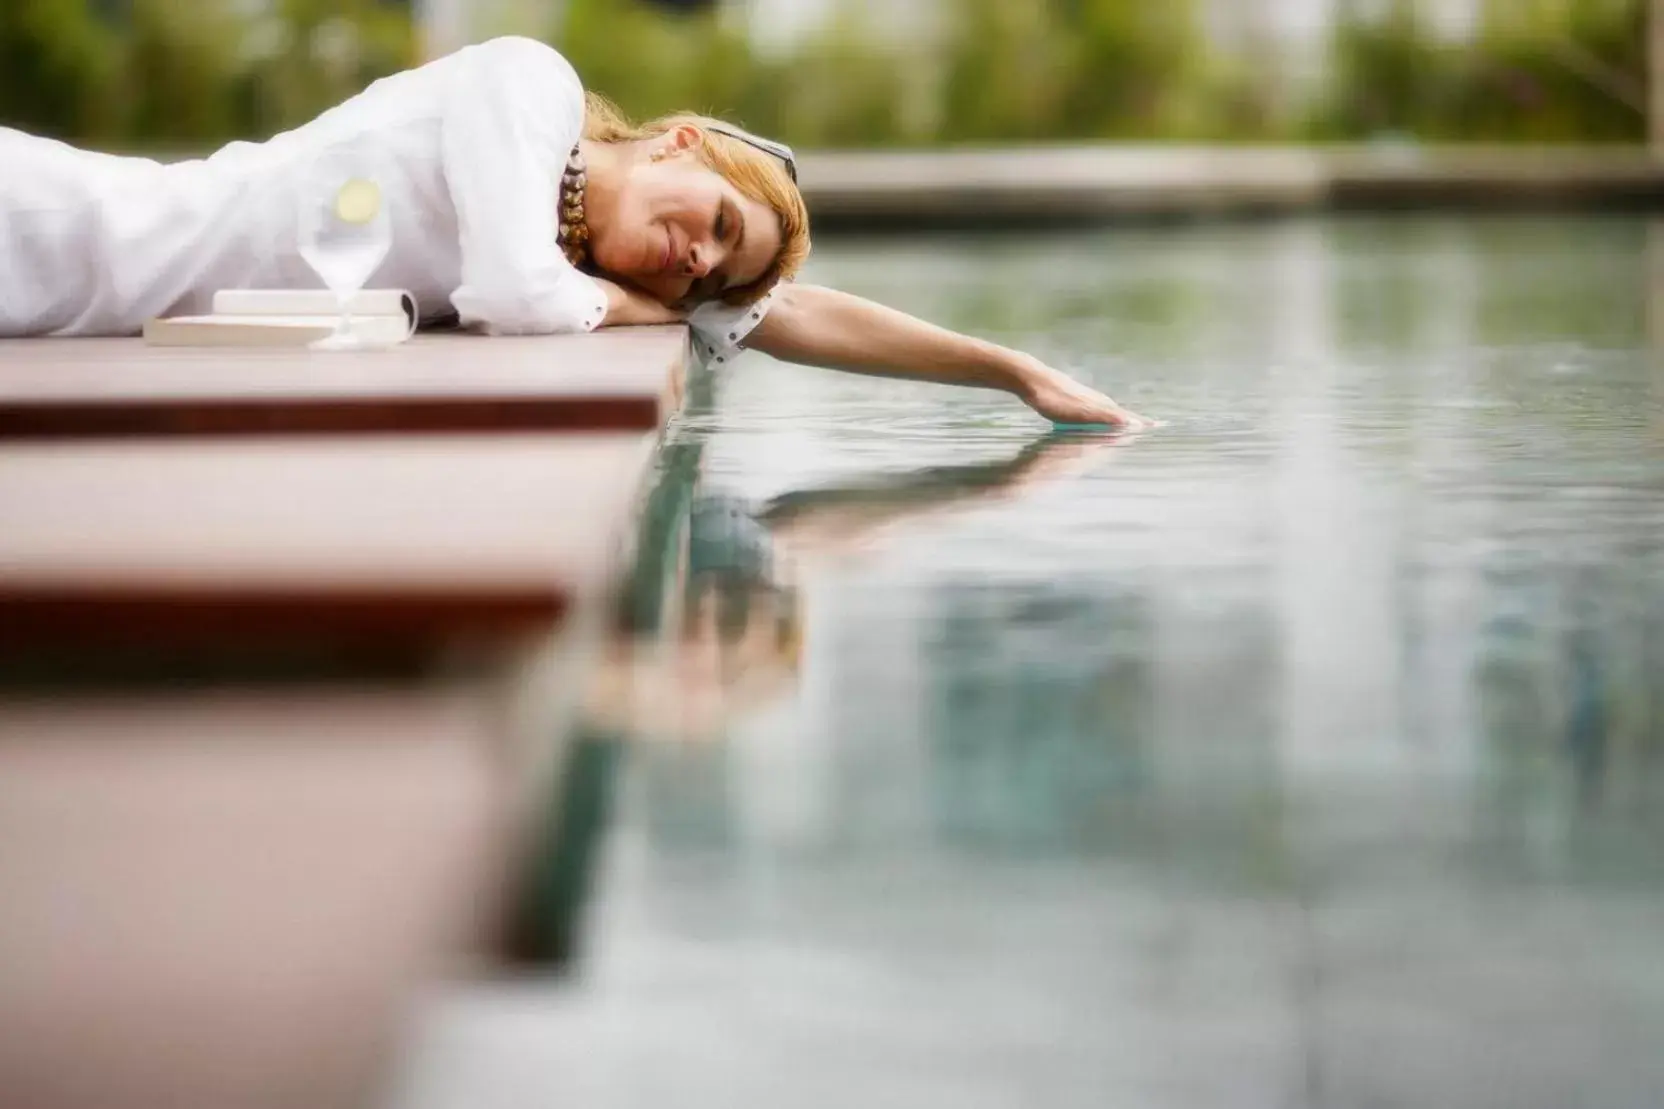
x,y
573,235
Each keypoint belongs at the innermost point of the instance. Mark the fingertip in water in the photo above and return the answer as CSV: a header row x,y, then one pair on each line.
x,y
1108,429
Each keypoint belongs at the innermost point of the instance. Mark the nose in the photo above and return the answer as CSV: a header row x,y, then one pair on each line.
x,y
702,258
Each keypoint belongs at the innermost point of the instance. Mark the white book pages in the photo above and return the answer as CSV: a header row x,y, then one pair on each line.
x,y
314,302
270,331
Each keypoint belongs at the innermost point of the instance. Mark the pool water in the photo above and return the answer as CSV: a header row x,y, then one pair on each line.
x,y
1307,751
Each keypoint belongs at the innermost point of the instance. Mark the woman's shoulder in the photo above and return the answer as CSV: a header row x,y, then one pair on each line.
x,y
519,75
519,57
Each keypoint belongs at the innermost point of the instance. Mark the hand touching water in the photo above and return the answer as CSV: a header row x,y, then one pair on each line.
x,y
1062,399
823,327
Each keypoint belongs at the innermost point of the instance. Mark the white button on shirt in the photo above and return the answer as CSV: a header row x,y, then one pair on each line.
x,y
468,151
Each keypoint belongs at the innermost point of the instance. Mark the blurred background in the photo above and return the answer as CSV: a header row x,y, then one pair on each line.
x,y
137,73
1308,751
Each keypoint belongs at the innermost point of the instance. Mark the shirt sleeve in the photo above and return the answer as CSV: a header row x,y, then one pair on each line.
x,y
720,330
510,120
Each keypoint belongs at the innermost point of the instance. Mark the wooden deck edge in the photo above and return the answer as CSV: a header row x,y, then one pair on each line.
x,y
144,417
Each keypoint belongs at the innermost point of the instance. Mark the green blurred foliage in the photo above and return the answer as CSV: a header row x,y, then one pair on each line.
x,y
59,68
1537,70
836,90
1131,70
654,63
158,73
1006,74
1553,69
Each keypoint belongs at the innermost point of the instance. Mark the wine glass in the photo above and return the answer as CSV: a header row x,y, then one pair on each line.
x,y
344,235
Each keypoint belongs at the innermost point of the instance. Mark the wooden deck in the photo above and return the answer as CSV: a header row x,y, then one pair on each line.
x,y
222,542
620,380
227,882
236,898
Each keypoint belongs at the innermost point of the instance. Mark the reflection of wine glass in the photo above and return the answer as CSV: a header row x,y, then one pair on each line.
x,y
344,235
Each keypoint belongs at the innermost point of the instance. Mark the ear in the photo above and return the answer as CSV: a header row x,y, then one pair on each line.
x,y
681,139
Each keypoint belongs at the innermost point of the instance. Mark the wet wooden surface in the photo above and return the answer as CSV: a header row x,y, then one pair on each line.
x,y
330,538
623,379
230,883
234,899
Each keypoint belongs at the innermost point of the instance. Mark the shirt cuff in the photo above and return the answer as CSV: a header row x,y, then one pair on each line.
x,y
720,330
579,305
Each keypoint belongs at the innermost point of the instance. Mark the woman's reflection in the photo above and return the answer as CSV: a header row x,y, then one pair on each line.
x,y
734,640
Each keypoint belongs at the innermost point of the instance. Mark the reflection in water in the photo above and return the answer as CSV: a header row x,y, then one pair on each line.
x,y
1307,751
730,638
1040,721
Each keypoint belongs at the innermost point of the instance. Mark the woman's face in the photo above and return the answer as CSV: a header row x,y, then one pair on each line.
x,y
680,232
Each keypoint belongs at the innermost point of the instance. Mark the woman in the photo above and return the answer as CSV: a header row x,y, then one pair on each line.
x,y
517,203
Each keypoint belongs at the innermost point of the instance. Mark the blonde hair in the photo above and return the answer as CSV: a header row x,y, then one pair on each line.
x,y
757,175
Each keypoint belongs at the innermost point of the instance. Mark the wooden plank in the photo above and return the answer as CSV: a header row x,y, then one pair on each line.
x,y
339,540
236,899
239,898
619,380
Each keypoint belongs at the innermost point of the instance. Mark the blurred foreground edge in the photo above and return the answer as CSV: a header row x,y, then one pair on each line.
x,y
281,718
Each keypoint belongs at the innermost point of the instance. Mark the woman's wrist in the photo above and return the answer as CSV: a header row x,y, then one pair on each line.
x,y
617,299
1022,375
626,307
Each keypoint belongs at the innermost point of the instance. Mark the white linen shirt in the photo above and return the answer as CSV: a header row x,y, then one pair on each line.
x,y
467,150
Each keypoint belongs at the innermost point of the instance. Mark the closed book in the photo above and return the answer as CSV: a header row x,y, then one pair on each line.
x,y
314,302
270,330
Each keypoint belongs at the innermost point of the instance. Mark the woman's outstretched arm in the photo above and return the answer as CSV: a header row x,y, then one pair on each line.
x,y
818,326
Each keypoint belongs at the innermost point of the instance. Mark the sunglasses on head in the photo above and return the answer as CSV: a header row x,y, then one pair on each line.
x,y
767,146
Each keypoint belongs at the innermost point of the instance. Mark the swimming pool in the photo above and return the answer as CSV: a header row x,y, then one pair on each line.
x,y
1309,750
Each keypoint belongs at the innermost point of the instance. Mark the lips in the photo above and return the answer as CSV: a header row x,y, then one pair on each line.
x,y
669,258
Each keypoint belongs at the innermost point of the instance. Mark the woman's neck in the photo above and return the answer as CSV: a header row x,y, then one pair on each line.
x,y
607,166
